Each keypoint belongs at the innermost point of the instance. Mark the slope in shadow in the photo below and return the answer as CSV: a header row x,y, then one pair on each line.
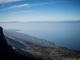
x,y
6,51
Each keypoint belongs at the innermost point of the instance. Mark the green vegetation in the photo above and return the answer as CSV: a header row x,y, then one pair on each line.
x,y
52,53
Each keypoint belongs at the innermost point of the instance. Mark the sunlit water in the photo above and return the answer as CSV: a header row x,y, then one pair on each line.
x,y
62,34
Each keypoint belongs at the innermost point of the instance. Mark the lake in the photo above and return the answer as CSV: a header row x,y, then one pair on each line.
x,y
62,34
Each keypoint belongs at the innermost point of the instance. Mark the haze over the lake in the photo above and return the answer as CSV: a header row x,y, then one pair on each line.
x,y
62,34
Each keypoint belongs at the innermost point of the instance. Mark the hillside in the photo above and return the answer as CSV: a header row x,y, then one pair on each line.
x,y
30,39
40,51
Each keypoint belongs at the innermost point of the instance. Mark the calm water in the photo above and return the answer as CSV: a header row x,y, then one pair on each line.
x,y
62,34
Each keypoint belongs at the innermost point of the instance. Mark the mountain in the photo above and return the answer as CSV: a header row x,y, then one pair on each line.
x,y
22,45
27,38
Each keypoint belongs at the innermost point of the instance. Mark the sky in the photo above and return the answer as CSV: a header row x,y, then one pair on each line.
x,y
39,10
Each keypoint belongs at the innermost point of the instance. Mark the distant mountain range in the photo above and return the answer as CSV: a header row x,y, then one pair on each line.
x,y
11,22
41,21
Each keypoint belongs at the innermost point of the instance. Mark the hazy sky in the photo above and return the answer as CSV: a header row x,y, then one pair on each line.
x,y
39,10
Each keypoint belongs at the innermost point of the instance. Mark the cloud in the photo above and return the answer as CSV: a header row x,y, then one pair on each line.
x,y
23,11
44,3
25,5
8,1
17,6
39,4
